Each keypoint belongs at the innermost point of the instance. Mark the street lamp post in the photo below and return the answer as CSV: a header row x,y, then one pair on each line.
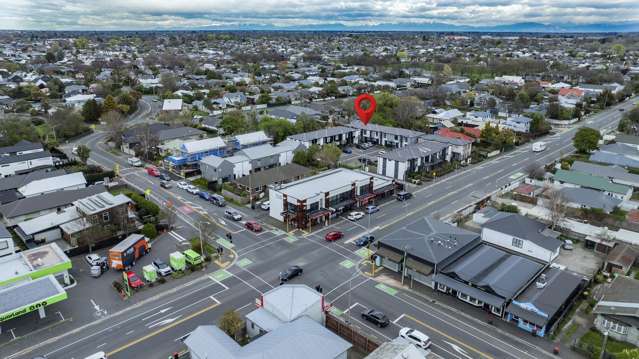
x,y
406,248
603,345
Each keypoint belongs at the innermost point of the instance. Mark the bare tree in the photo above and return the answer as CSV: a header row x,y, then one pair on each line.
x,y
115,126
148,141
535,170
556,205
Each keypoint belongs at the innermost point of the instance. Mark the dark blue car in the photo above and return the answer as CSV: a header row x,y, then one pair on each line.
x,y
204,195
364,240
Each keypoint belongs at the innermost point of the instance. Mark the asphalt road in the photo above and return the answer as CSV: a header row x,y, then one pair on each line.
x,y
153,328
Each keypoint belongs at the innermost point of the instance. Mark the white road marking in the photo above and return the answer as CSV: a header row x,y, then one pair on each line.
x,y
398,318
161,311
177,236
164,322
458,349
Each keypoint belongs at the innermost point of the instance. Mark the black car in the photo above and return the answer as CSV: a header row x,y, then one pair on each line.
x,y
376,317
364,240
291,272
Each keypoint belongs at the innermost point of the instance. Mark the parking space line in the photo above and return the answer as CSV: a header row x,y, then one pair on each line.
x,y
353,306
398,319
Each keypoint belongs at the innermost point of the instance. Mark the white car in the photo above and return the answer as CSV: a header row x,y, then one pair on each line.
x,y
354,216
265,205
416,337
192,189
382,152
182,185
93,259
134,161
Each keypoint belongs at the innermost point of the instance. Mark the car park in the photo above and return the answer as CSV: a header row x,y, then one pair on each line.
x,y
416,337
376,317
290,273
232,215
165,184
253,226
266,205
356,215
182,185
370,209
364,240
162,268
333,236
192,189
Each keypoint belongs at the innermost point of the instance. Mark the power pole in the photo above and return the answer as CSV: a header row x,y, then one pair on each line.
x,y
603,345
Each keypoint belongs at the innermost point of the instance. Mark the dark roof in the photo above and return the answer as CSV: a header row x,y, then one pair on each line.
x,y
25,157
385,129
131,135
4,233
10,196
430,240
417,150
22,145
47,201
523,227
178,132
17,181
539,305
274,175
494,270
325,132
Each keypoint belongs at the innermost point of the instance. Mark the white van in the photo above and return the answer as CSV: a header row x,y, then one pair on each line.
x,y
98,355
538,146
416,337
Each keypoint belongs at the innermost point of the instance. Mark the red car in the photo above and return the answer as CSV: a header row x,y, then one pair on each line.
x,y
253,226
153,171
333,236
134,281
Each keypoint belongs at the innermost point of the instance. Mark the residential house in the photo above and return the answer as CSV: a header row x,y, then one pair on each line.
x,y
338,135
7,246
617,154
618,310
446,115
65,182
193,151
258,182
398,348
22,147
159,135
292,112
569,97
460,144
78,100
23,157
621,259
172,105
615,174
386,136
520,234
250,139
9,185
478,118
235,99
46,228
585,180
423,156
517,124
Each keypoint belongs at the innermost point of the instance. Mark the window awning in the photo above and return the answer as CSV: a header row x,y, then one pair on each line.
x,y
418,266
389,254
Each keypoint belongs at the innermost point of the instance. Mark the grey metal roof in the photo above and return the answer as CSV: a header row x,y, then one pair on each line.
x,y
25,293
385,129
288,302
622,289
523,227
413,151
25,157
614,159
274,175
4,233
476,293
538,305
620,149
178,132
613,172
442,139
325,132
262,151
590,198
22,145
47,201
264,319
302,338
494,270
17,181
430,240
629,139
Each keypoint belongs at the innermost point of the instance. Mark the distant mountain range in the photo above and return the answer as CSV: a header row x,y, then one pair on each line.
x,y
443,27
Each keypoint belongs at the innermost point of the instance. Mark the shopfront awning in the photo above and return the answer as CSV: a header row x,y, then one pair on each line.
x,y
418,266
389,254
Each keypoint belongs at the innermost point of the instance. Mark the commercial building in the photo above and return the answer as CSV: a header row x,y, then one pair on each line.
x,y
315,199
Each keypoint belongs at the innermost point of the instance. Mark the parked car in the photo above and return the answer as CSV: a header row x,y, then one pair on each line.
x,y
333,236
204,195
403,196
162,268
347,150
364,146
218,200
165,184
134,281
232,215
192,189
266,205
94,259
290,273
372,209
253,226
354,216
182,185
364,240
376,317
134,161
416,337
568,245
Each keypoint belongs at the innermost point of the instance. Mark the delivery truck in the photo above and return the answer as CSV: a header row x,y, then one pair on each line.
x,y
124,254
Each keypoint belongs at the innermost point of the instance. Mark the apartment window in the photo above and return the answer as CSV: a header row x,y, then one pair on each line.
x,y
615,327
517,242
106,216
496,310
442,287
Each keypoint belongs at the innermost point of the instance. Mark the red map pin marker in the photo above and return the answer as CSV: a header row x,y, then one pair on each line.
x,y
365,115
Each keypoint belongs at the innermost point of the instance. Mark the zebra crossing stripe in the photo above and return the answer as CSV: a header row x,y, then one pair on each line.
x,y
178,237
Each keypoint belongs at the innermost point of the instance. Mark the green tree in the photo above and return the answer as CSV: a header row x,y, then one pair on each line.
x,y
618,50
81,43
264,99
234,122
109,104
91,111
67,123
305,123
149,230
539,125
277,128
83,153
329,155
50,57
13,130
586,139
231,323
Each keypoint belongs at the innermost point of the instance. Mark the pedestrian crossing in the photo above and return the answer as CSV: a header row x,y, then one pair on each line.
x,y
178,237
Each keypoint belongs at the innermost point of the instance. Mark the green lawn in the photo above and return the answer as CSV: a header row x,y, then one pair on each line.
x,y
593,340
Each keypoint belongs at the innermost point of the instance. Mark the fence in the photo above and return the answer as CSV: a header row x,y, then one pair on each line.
x,y
350,333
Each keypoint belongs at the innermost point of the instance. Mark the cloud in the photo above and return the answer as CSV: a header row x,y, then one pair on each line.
x,y
170,14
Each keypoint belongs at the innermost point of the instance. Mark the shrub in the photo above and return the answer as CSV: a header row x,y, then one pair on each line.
x,y
149,231
146,205
511,208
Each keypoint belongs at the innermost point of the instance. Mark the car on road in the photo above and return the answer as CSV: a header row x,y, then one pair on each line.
x,y
94,259
621,110
165,177
364,240
416,337
182,185
354,216
153,171
376,317
165,184
253,226
347,150
568,245
290,273
134,161
403,196
233,215
382,152
162,268
370,209
192,189
134,281
204,195
218,200
266,205
333,236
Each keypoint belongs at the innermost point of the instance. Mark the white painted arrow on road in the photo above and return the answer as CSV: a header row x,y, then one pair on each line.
x,y
161,311
459,350
164,322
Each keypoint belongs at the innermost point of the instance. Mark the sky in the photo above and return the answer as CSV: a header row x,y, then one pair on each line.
x,y
202,14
